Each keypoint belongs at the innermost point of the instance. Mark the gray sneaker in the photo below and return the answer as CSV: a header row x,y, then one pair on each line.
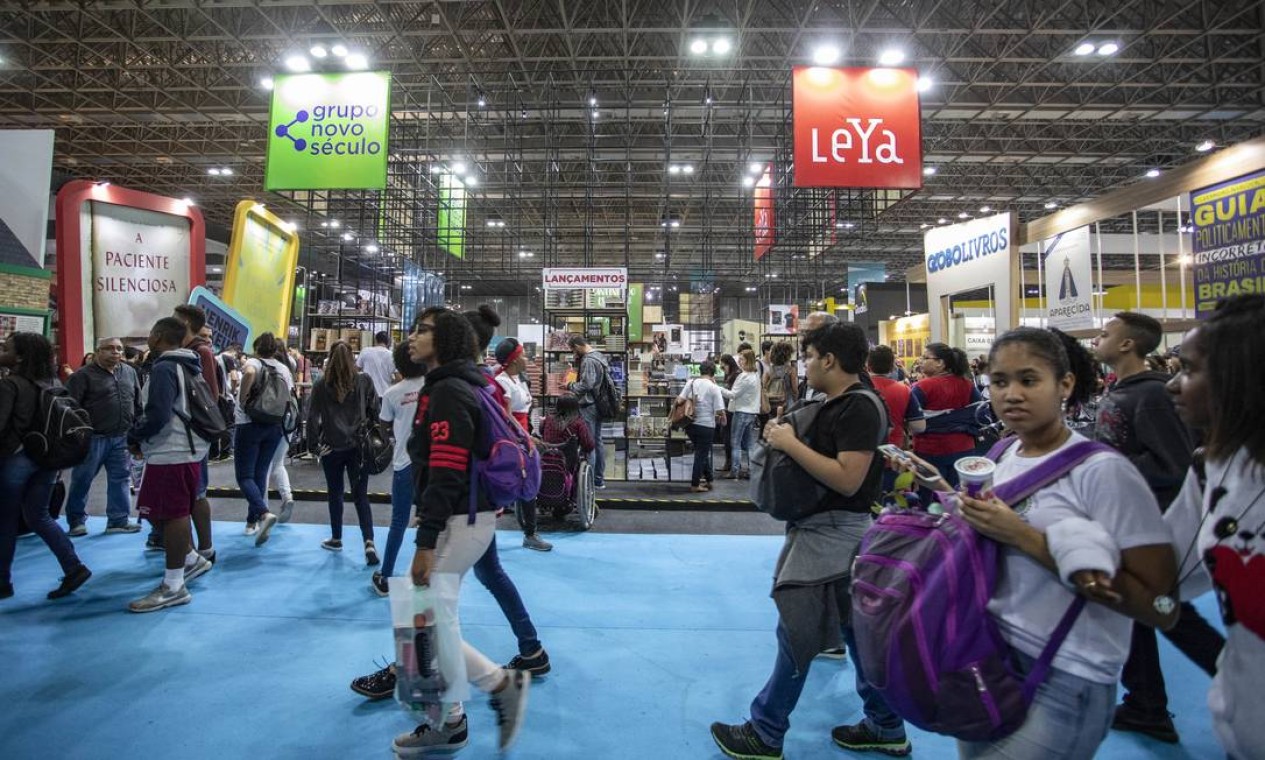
x,y
196,569
265,527
161,598
535,542
425,740
127,527
77,530
510,704
287,511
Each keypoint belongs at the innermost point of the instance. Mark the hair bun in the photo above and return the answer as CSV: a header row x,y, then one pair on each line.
x,y
489,315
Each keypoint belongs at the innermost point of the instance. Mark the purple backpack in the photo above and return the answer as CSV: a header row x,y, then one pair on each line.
x,y
920,591
511,470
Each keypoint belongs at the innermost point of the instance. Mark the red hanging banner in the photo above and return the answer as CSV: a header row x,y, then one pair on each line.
x,y
763,215
856,127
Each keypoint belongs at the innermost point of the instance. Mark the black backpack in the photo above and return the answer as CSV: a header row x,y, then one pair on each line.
x,y
60,435
203,416
606,396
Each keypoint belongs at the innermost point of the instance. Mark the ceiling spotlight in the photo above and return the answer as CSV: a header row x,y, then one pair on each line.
x,y
707,101
318,51
748,181
942,220
891,57
347,237
471,181
339,51
593,100
298,64
334,223
214,172
356,61
436,169
659,255
524,114
826,55
595,113
459,168
1085,48
928,171
688,169
1051,206
266,83
1108,48
1152,173
985,209
674,169
964,215
1205,146
482,101
925,83
923,226
721,46
844,225
371,248
675,223
698,46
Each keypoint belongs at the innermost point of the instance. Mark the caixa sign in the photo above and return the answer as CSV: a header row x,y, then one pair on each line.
x,y
856,128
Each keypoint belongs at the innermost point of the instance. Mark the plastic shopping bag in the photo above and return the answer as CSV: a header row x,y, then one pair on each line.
x,y
430,667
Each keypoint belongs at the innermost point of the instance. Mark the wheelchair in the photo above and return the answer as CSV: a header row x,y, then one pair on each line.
x,y
566,483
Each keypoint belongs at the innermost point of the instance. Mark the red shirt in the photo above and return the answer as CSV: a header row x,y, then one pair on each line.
x,y
940,393
896,395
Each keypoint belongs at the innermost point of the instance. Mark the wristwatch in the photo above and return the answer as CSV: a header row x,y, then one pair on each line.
x,y
1164,604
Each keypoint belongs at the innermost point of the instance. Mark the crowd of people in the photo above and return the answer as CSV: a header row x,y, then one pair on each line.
x,y
1169,508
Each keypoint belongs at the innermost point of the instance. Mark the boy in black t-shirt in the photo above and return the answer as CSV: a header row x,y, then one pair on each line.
x,y
811,579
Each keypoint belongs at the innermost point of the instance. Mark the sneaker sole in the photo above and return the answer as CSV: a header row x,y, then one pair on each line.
x,y
286,512
883,749
524,689
446,749
738,755
372,696
1159,735
331,548
538,548
265,530
134,529
193,575
173,603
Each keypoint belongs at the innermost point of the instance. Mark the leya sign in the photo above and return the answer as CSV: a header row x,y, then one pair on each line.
x,y
1229,241
329,132
856,127
967,256
556,278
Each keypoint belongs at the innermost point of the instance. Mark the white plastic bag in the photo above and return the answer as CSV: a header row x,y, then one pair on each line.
x,y
430,666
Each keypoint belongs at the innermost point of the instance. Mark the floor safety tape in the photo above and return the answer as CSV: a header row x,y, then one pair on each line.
x,y
635,502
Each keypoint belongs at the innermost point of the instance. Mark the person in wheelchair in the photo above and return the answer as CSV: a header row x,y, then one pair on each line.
x,y
566,442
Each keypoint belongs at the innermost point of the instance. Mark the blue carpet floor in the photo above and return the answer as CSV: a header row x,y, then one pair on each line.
x,y
652,637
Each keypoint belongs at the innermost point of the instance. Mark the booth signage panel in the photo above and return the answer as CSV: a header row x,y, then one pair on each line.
x,y
763,222
967,256
451,217
783,319
856,127
227,326
1069,272
140,266
329,132
26,166
566,278
259,269
1228,240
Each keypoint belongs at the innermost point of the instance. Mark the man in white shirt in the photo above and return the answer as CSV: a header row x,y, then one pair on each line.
x,y
377,363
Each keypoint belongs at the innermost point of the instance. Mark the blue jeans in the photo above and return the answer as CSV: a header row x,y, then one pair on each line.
x,y
771,709
252,461
741,439
703,438
401,507
26,490
879,718
110,452
335,464
1067,721
490,573
597,459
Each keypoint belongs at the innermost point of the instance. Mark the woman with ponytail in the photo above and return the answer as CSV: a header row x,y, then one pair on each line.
x,y
946,388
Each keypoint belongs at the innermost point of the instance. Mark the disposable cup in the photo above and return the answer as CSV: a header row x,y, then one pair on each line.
x,y
975,474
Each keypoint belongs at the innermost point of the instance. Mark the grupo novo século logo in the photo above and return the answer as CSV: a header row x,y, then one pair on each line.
x,y
332,130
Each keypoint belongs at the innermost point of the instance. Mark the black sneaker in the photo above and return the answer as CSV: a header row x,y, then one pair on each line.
x,y
154,543
379,583
537,664
859,738
377,685
741,741
77,576
1157,726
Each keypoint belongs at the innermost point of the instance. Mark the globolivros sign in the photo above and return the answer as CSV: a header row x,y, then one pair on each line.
x,y
329,132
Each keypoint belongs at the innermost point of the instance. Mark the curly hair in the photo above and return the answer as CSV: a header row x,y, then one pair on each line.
x,y
484,320
404,363
34,355
266,346
781,353
453,335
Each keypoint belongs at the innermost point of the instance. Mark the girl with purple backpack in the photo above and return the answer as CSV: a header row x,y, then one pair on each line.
x,y
1094,533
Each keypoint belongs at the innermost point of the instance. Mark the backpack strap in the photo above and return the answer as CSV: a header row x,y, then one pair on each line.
x,y
884,423
1041,668
1017,489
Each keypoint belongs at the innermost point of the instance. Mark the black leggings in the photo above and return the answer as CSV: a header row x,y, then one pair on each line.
x,y
334,464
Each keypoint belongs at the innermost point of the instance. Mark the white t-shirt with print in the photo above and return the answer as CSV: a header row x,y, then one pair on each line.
x,y
257,365
516,392
707,400
399,405
1030,600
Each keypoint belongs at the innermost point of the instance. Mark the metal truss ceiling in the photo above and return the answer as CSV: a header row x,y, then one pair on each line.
x,y
153,93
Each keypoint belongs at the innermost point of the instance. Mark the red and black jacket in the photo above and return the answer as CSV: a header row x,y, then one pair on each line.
x,y
443,446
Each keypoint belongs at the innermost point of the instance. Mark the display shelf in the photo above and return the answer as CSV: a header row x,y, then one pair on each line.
x,y
572,311
366,317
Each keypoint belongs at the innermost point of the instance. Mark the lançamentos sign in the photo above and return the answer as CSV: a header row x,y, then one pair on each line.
x,y
329,132
556,278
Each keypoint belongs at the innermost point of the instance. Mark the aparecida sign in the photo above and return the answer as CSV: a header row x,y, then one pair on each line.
x,y
856,127
569,278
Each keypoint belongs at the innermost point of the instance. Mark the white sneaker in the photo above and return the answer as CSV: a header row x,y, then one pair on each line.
x,y
161,598
265,527
287,510
510,705
424,740
251,528
199,567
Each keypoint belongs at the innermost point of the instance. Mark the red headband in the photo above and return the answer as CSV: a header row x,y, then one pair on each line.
x,y
517,352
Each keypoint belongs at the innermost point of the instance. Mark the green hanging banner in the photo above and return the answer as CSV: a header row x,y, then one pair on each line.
x,y
635,290
452,215
329,132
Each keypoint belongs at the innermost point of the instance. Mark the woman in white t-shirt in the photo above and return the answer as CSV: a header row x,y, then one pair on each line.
x,y
1219,524
744,405
399,407
709,401
255,443
1072,711
509,376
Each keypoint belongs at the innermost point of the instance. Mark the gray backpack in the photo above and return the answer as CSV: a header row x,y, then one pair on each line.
x,y
269,402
